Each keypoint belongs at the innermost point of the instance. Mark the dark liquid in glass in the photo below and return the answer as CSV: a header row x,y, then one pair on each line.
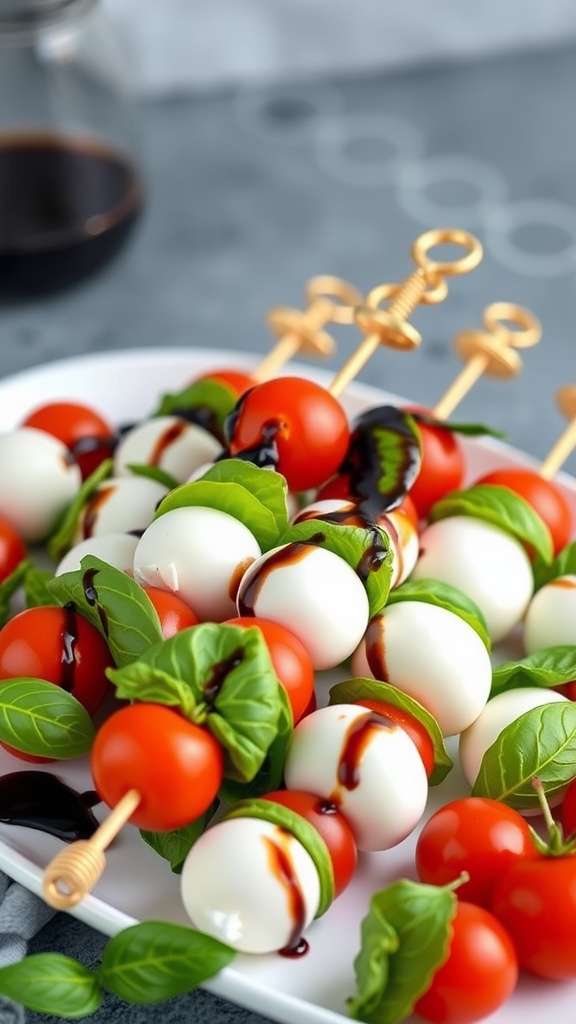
x,y
66,209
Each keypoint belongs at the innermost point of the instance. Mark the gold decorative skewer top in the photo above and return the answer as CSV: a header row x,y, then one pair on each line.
x,y
329,299
426,284
73,872
566,402
491,351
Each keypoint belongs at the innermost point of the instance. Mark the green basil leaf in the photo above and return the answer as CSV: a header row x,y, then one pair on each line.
x,y
38,717
211,400
8,587
304,832
62,538
563,565
140,681
175,846
385,443
257,497
503,508
156,473
541,743
550,666
352,690
114,603
271,773
367,551
36,592
153,961
52,983
466,429
405,938
443,595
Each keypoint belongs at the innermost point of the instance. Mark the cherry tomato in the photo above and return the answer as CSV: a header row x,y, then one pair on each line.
x,y
58,645
479,975
567,690
417,732
443,465
332,826
568,810
290,659
544,496
476,835
236,380
174,614
305,423
175,765
535,900
12,549
90,438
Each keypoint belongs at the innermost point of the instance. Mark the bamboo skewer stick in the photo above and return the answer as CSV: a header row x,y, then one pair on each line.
x,y
566,401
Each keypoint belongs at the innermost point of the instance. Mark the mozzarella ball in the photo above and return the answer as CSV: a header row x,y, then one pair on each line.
x,y
434,656
250,884
499,712
366,765
313,593
199,553
486,563
38,479
551,615
169,442
120,505
116,549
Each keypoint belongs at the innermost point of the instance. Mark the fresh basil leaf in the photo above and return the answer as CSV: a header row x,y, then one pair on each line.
x,y
141,681
366,550
443,595
114,603
541,743
550,666
174,846
502,508
405,938
8,587
303,831
38,717
257,497
36,592
155,960
352,690
563,565
466,429
384,456
206,402
52,983
271,773
156,473
63,537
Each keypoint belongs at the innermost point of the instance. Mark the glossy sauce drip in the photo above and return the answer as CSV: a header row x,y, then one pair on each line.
x,y
363,462
218,674
92,509
69,639
282,869
164,442
91,595
375,646
358,739
237,575
38,800
288,555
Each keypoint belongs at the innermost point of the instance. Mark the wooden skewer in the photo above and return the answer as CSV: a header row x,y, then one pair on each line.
x,y
426,284
329,298
490,351
74,871
566,402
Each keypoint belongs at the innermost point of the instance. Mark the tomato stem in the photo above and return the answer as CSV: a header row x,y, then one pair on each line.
x,y
555,844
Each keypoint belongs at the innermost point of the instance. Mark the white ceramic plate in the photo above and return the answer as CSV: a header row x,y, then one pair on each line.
x,y
137,885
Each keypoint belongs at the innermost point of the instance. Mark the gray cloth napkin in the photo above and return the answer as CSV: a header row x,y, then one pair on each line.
x,y
22,915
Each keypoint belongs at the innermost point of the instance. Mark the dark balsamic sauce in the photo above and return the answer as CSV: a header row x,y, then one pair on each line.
x,y
69,640
92,508
38,800
289,554
91,595
281,866
165,440
219,673
358,738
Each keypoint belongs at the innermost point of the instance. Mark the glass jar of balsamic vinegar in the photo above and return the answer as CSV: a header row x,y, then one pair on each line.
x,y
70,184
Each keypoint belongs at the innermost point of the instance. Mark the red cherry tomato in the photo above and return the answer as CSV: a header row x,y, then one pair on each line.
x,y
544,496
175,765
290,659
236,380
303,420
417,732
568,810
443,466
479,975
567,690
58,645
331,825
90,438
12,549
174,614
535,900
476,835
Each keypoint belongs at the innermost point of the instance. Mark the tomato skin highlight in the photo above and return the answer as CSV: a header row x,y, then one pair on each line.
x,y
173,613
479,975
331,824
175,765
443,465
12,549
473,834
417,732
544,496
86,433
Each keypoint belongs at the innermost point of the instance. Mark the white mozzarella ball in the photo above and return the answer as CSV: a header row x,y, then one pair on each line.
x,y
434,656
120,505
486,563
367,766
199,553
116,549
38,479
499,712
313,593
551,615
250,884
169,442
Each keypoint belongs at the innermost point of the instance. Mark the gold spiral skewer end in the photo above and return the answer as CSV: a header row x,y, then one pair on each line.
x,y
72,874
